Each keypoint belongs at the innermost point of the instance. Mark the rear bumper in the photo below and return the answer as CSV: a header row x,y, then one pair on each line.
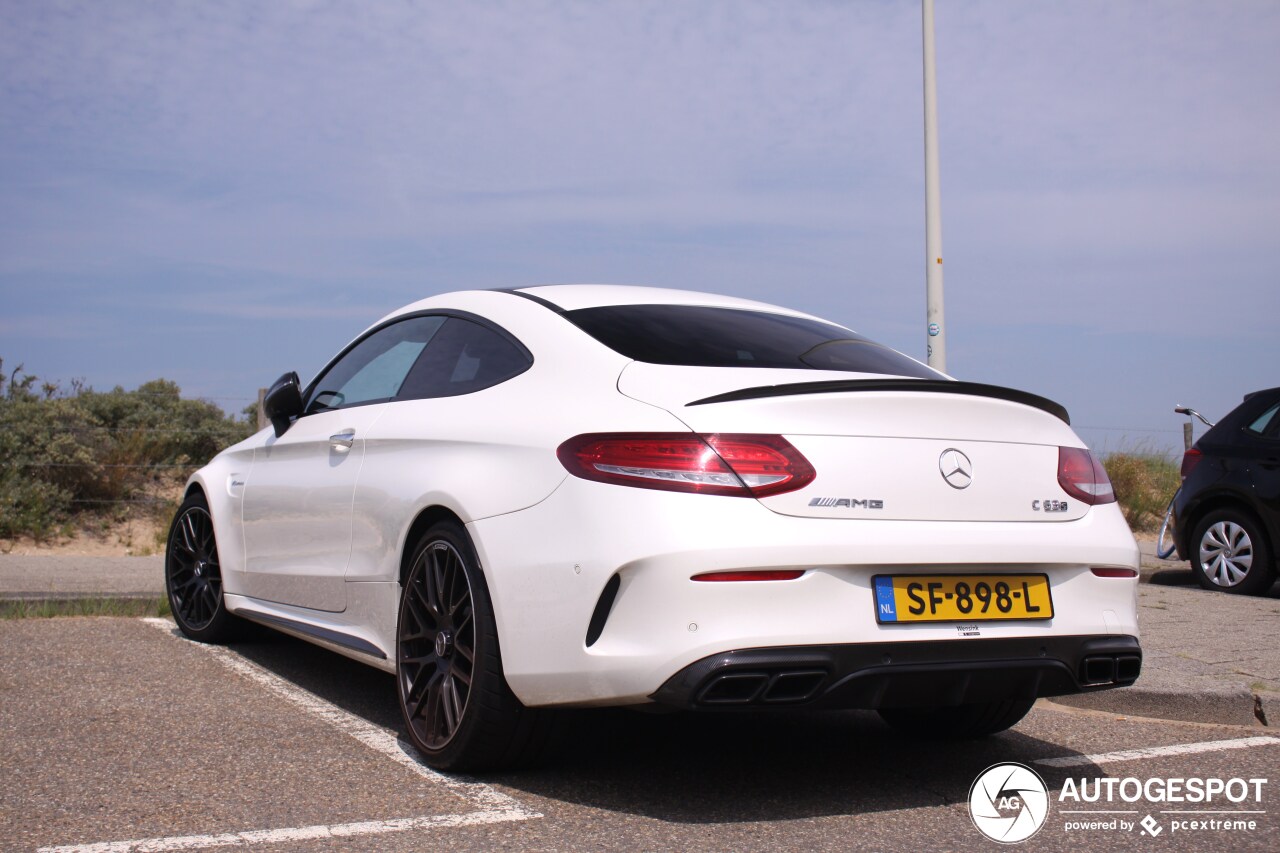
x,y
572,635
905,674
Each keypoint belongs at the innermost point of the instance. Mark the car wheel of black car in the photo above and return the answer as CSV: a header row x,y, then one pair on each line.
x,y
459,711
977,719
193,575
1229,553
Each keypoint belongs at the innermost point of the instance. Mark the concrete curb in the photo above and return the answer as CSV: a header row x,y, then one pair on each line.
x,y
1225,706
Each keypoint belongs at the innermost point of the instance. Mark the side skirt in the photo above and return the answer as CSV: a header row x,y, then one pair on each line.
x,y
343,639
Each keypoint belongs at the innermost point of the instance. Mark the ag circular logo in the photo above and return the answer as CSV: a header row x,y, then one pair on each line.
x,y
1008,803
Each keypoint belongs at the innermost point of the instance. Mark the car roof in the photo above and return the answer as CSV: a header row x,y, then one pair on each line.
x,y
571,297
1265,392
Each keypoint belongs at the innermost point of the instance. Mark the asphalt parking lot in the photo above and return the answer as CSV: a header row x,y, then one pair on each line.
x,y
120,735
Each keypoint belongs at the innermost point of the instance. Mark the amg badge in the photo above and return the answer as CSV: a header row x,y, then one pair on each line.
x,y
852,503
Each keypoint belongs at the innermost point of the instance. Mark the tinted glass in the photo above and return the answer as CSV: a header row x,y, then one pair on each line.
x,y
729,337
1266,422
375,368
463,357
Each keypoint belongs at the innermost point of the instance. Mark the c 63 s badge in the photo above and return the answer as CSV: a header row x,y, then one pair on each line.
x,y
851,503
1049,506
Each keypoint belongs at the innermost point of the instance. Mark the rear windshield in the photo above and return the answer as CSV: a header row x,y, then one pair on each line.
x,y
700,336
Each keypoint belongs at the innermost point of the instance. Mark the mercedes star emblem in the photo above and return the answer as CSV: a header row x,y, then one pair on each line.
x,y
956,468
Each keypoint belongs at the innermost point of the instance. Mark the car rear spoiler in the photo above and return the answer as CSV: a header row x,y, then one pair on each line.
x,y
928,386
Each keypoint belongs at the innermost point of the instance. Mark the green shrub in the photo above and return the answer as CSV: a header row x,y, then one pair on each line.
x,y
1144,483
54,441
31,508
65,455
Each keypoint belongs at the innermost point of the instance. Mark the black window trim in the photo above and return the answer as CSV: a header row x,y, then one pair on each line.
x,y
413,315
545,303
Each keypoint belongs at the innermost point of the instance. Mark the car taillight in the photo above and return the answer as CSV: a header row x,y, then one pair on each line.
x,y
1190,460
1083,477
715,464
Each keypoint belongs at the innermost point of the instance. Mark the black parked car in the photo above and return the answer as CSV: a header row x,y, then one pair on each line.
x,y
1227,514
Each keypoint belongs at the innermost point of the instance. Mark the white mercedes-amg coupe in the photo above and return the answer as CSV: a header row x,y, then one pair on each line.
x,y
596,495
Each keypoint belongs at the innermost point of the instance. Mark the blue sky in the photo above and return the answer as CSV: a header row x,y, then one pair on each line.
x,y
217,192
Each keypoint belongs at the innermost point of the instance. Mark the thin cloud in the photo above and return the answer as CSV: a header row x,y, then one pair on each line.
x,y
224,166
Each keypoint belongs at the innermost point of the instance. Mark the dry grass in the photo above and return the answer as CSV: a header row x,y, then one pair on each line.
x,y
138,529
1144,483
89,606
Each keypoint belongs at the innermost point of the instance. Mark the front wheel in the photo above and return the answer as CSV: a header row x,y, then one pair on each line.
x,y
457,707
193,575
977,719
1229,554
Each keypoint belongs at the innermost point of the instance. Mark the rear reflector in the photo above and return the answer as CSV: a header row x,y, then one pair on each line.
x,y
1114,573
783,575
715,464
1082,476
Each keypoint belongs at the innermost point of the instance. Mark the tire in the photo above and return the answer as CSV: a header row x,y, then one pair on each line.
x,y
975,720
193,575
457,707
1229,553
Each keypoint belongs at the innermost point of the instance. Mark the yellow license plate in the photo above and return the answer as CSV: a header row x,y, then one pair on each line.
x,y
961,598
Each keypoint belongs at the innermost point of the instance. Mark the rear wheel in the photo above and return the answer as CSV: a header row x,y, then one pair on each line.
x,y
457,707
977,719
193,575
1229,553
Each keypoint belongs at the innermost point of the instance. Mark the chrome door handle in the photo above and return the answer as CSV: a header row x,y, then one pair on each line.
x,y
342,441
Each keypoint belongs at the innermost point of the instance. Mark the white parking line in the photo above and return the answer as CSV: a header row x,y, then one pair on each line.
x,y
279,836
1159,751
491,806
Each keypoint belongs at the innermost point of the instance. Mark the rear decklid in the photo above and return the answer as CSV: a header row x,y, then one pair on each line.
x,y
883,447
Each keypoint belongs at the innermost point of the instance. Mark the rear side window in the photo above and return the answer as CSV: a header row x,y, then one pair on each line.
x,y
1267,422
702,336
462,358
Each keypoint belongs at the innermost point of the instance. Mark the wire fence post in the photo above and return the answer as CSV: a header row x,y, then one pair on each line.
x,y
262,412
1186,435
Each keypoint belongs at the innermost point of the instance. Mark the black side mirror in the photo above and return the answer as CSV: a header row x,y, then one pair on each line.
x,y
283,402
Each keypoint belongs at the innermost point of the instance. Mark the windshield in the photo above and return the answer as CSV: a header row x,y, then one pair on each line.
x,y
700,336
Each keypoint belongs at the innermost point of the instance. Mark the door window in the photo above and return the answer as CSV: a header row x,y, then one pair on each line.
x,y
375,368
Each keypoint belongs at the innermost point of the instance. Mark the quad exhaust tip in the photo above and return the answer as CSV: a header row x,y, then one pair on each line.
x,y
1098,670
762,688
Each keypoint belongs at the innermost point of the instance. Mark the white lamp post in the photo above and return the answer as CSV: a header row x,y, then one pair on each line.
x,y
936,339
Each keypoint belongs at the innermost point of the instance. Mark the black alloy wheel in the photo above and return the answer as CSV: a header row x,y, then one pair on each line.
x,y
437,645
193,574
457,707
